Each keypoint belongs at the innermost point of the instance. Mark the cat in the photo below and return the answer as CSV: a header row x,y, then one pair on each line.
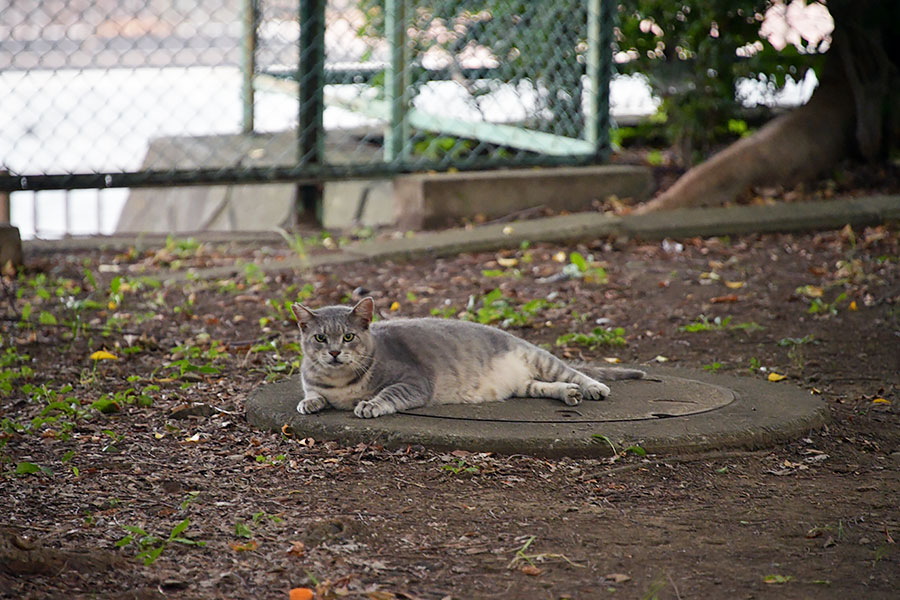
x,y
376,369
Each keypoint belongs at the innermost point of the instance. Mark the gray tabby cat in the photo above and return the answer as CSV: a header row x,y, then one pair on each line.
x,y
380,368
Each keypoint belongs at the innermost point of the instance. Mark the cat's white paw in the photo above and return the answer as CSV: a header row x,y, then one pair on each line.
x,y
308,406
595,391
369,409
573,394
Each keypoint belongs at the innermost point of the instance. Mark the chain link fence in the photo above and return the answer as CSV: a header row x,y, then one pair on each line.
x,y
126,93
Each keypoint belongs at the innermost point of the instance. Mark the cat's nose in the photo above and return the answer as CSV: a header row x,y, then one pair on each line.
x,y
334,353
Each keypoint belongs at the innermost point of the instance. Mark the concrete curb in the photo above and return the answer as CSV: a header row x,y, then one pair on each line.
x,y
689,222
762,415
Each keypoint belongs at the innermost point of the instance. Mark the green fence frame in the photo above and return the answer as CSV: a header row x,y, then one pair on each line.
x,y
310,79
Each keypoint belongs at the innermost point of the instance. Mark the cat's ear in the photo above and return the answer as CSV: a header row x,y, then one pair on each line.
x,y
364,310
303,315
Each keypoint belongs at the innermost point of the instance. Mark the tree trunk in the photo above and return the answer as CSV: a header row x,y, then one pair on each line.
x,y
844,116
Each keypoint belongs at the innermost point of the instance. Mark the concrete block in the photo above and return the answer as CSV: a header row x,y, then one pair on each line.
x,y
424,201
10,245
343,200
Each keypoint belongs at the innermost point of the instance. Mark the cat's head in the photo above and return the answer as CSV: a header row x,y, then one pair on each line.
x,y
336,337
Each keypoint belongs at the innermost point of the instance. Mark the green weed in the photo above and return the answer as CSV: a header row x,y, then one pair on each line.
x,y
598,336
149,547
719,324
460,467
581,268
495,308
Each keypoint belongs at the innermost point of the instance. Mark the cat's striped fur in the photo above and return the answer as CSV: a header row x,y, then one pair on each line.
x,y
380,368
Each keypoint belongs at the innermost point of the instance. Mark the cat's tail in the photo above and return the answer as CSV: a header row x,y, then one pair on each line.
x,y
551,368
614,373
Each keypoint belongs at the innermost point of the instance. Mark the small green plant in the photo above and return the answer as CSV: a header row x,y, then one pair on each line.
x,y
599,437
28,468
789,341
755,365
258,517
446,312
636,450
188,499
243,530
270,460
819,307
718,324
581,268
712,367
777,579
149,546
495,308
599,336
460,467
296,243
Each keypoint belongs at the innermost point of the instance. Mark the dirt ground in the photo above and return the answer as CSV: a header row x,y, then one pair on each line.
x,y
108,464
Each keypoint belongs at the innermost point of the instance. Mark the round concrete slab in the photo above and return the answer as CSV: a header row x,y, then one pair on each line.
x,y
670,411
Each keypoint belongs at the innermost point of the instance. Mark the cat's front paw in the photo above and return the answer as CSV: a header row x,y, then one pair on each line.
x,y
573,395
369,409
308,406
595,391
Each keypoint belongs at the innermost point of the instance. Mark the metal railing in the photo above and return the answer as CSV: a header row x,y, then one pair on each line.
x,y
129,93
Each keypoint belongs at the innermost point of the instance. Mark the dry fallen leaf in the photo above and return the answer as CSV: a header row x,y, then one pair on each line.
x,y
618,577
612,360
881,401
776,376
302,594
250,546
734,285
395,306
531,570
103,355
810,291
721,299
507,262
297,549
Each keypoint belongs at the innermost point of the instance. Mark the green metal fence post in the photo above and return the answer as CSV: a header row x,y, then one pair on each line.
x,y
311,77
396,80
599,72
250,20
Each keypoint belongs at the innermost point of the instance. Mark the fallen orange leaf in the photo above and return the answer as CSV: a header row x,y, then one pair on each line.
x,y
297,549
248,547
734,285
853,305
302,594
531,570
880,401
728,298
395,306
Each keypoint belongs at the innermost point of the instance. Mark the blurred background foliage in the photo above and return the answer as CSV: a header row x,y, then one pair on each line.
x,y
692,53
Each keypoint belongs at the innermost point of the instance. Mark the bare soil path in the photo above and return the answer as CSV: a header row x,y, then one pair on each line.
x,y
111,463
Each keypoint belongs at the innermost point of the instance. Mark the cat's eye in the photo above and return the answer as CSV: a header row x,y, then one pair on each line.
x,y
320,338
348,337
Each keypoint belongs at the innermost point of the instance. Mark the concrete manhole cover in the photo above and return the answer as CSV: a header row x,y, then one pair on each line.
x,y
670,411
653,398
